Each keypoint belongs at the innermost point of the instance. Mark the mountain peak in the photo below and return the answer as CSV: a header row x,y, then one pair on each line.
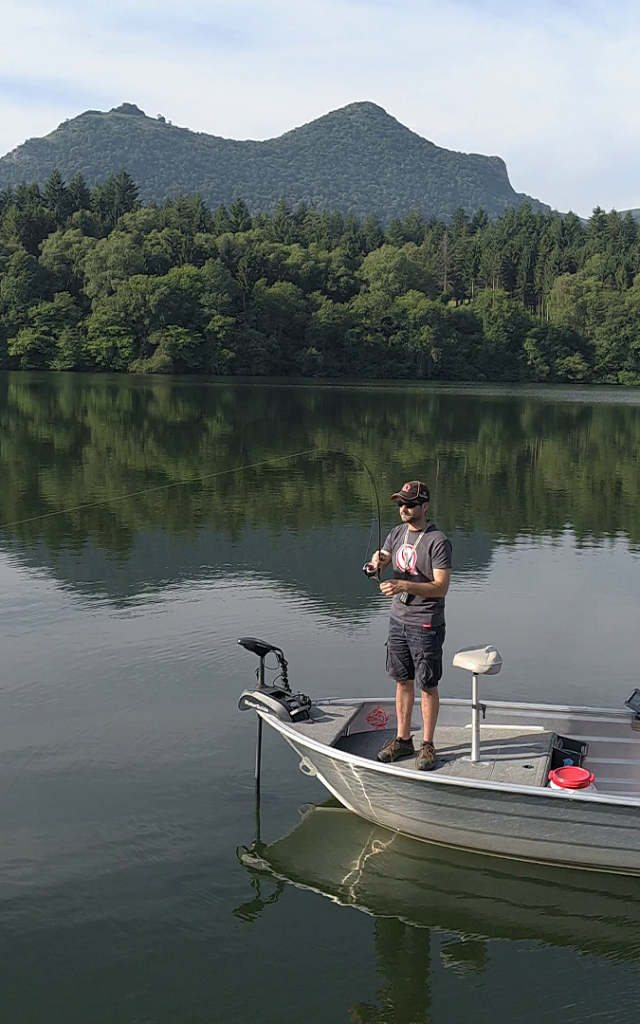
x,y
128,108
365,113
364,107
357,159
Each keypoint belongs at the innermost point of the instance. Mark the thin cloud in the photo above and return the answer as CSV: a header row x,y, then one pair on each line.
x,y
42,92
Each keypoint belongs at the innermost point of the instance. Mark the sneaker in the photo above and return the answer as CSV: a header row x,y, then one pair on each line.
x,y
426,759
395,749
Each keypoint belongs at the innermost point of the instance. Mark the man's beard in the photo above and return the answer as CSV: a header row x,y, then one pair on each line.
x,y
416,517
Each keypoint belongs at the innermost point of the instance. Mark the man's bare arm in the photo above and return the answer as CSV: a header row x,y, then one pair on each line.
x,y
439,587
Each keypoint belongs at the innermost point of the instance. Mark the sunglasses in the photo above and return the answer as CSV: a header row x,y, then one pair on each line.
x,y
409,504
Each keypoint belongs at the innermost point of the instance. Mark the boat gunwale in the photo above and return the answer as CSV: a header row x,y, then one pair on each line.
x,y
296,739
500,705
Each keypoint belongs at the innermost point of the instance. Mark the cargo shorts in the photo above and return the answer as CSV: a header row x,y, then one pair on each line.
x,y
415,652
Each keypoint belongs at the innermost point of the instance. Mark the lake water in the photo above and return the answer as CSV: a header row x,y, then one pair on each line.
x,y
134,551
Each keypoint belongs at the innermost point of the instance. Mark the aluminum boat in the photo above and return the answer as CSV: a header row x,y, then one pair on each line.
x,y
489,792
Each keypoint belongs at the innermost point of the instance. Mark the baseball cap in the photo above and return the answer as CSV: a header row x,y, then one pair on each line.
x,y
414,490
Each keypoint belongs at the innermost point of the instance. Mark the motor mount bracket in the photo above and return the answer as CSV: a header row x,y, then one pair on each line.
x,y
276,701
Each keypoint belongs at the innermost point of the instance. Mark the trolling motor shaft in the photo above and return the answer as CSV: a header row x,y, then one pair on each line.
x,y
276,700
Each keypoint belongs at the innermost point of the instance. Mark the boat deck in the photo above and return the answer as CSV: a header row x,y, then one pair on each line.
x,y
515,740
512,755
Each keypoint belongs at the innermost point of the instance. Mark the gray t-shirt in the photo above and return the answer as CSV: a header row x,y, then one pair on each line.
x,y
414,556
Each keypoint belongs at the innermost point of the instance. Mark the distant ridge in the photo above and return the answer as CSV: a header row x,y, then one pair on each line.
x,y
357,159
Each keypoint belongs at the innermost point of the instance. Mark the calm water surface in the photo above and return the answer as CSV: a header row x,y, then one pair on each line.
x,y
126,770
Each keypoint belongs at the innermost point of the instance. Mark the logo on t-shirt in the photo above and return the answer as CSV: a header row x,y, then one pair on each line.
x,y
406,559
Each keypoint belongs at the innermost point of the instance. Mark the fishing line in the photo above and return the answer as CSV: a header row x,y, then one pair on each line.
x,y
207,476
151,490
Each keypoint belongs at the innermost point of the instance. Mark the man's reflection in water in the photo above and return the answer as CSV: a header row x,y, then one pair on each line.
x,y
404,960
403,953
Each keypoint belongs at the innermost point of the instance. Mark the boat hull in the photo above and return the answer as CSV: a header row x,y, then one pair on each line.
x,y
501,824
541,825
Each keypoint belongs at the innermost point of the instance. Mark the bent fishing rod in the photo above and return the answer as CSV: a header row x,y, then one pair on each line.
x,y
369,568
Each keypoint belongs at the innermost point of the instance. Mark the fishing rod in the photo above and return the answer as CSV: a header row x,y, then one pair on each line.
x,y
369,568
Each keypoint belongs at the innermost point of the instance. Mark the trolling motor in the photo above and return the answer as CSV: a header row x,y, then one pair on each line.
x,y
277,698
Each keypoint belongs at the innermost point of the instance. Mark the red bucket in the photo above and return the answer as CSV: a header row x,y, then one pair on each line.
x,y
571,777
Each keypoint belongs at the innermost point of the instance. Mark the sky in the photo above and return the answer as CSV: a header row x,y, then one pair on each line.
x,y
551,86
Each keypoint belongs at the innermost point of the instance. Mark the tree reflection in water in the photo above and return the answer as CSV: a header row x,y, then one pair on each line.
x,y
501,464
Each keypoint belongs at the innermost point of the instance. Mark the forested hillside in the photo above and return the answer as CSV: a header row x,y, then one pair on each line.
x,y
357,159
89,279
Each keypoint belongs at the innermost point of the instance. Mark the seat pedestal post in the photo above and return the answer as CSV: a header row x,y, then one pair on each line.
x,y
485,661
475,718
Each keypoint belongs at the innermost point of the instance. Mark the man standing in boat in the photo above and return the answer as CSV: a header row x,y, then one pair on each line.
x,y
421,557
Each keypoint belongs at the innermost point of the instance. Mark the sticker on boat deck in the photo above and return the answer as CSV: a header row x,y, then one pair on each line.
x,y
378,718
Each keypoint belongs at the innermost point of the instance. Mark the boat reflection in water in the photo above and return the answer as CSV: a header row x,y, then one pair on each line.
x,y
410,887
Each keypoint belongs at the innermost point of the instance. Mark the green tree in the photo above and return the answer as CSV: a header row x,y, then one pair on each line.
x,y
57,199
79,194
23,282
396,271
35,345
372,232
239,216
63,256
505,326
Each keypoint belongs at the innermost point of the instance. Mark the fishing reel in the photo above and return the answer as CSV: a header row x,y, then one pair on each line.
x,y
370,570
